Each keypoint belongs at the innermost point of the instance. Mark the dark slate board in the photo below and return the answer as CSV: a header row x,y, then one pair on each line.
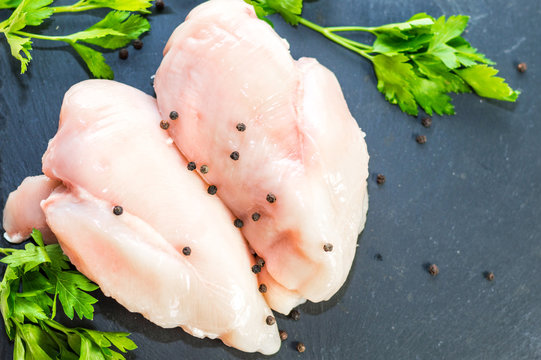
x,y
468,200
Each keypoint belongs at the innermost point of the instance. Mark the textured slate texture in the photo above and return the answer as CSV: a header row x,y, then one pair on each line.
x,y
468,200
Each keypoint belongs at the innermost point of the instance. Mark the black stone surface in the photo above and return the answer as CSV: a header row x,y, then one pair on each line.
x,y
467,200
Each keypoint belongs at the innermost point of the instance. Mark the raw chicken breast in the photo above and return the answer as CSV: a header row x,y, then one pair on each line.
x,y
22,211
299,160
110,151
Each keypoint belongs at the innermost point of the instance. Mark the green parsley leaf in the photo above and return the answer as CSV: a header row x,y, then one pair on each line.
x,y
28,259
95,61
394,76
483,80
20,49
71,287
117,29
289,9
123,5
417,62
8,4
35,274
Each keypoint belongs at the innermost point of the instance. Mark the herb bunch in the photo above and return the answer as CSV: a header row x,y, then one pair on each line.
x,y
115,30
35,280
417,62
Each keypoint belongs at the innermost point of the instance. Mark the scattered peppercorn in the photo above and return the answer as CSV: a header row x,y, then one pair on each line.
x,y
117,210
283,335
123,53
256,269
271,197
271,320
328,247
234,155
173,115
378,257
433,269
192,166
263,288
522,67
212,189
238,223
204,169
137,44
164,124
159,5
260,261
241,127
256,216
295,314
427,122
187,251
380,179
490,276
301,347
421,139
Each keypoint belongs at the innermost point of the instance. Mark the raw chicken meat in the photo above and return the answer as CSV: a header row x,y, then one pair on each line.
x,y
173,253
22,211
280,144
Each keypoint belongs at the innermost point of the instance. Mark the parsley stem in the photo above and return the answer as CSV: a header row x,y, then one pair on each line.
x,y
7,251
354,46
74,8
349,28
43,37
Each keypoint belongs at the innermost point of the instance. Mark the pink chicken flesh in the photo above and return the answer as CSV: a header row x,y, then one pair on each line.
x,y
23,212
223,67
110,151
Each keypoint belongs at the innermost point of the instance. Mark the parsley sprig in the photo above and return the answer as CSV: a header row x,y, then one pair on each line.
x,y
417,62
116,30
35,280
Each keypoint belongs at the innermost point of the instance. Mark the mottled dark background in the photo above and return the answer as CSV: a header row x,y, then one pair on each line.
x,y
468,200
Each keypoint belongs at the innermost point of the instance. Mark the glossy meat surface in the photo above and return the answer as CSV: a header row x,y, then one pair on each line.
x,y
22,211
110,151
223,67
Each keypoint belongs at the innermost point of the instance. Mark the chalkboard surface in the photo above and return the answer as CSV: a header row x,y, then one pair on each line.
x,y
468,200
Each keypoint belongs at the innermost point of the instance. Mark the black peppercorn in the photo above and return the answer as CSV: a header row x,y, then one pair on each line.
x,y
204,169
256,269
238,223
212,189
187,251
117,210
164,124
173,115
433,269
271,320
427,122
241,127
271,198
137,44
283,335
234,155
327,247
380,179
123,53
522,67
421,139
263,288
490,276
301,347
159,5
256,216
192,166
